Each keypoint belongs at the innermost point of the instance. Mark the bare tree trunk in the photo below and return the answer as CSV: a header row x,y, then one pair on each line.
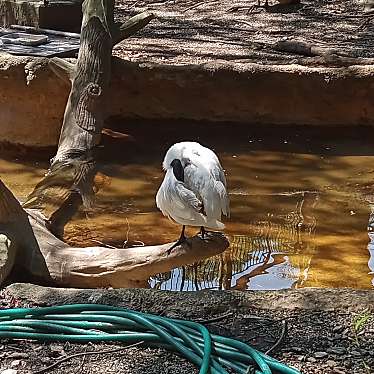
x,y
70,177
29,234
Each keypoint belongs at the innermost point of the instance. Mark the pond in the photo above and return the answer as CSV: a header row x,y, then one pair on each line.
x,y
299,196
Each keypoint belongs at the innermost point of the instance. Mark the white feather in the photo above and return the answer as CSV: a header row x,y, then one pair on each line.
x,y
201,198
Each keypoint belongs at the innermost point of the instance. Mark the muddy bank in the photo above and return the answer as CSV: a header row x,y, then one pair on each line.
x,y
32,100
321,337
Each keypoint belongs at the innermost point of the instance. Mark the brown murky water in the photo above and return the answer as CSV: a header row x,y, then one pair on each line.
x,y
299,202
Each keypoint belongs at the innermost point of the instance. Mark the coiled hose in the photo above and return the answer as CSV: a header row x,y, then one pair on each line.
x,y
96,322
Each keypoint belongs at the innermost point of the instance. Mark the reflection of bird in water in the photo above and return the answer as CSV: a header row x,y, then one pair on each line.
x,y
193,191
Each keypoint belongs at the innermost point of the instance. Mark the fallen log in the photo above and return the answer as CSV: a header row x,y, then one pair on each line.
x,y
30,245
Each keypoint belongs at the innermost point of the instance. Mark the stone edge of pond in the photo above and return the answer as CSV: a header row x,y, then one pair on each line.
x,y
192,303
221,91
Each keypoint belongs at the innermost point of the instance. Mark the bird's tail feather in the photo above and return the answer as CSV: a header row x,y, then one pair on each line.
x,y
214,224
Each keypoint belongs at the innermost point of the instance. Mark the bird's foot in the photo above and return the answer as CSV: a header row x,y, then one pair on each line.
x,y
181,240
254,7
203,233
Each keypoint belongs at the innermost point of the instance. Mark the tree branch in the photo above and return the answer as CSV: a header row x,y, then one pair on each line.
x,y
63,69
40,253
131,26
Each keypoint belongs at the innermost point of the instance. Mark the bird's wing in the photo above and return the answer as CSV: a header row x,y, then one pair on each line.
x,y
218,174
212,192
210,159
220,187
175,200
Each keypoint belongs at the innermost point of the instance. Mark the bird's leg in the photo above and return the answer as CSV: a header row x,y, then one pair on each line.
x,y
202,232
182,239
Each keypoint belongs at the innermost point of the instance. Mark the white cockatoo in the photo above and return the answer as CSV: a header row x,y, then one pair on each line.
x,y
193,192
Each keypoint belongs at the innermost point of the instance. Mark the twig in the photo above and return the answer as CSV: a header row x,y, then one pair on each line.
x,y
248,8
365,23
80,370
364,15
215,319
198,4
133,5
239,7
103,244
127,234
244,22
161,3
138,243
85,354
280,339
193,6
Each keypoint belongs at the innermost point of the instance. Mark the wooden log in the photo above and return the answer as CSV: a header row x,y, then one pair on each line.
x,y
73,167
93,267
45,257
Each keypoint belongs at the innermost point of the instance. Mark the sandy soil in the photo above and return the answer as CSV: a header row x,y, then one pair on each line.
x,y
193,31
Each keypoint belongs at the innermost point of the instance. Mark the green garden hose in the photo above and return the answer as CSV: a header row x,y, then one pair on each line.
x,y
100,323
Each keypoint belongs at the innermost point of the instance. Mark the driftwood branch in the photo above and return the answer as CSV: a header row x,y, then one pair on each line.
x,y
131,26
45,257
107,267
64,69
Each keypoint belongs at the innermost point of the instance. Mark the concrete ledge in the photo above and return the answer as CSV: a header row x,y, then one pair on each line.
x,y
32,100
204,302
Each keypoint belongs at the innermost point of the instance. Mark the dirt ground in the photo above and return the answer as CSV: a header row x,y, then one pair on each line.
x,y
321,335
194,31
